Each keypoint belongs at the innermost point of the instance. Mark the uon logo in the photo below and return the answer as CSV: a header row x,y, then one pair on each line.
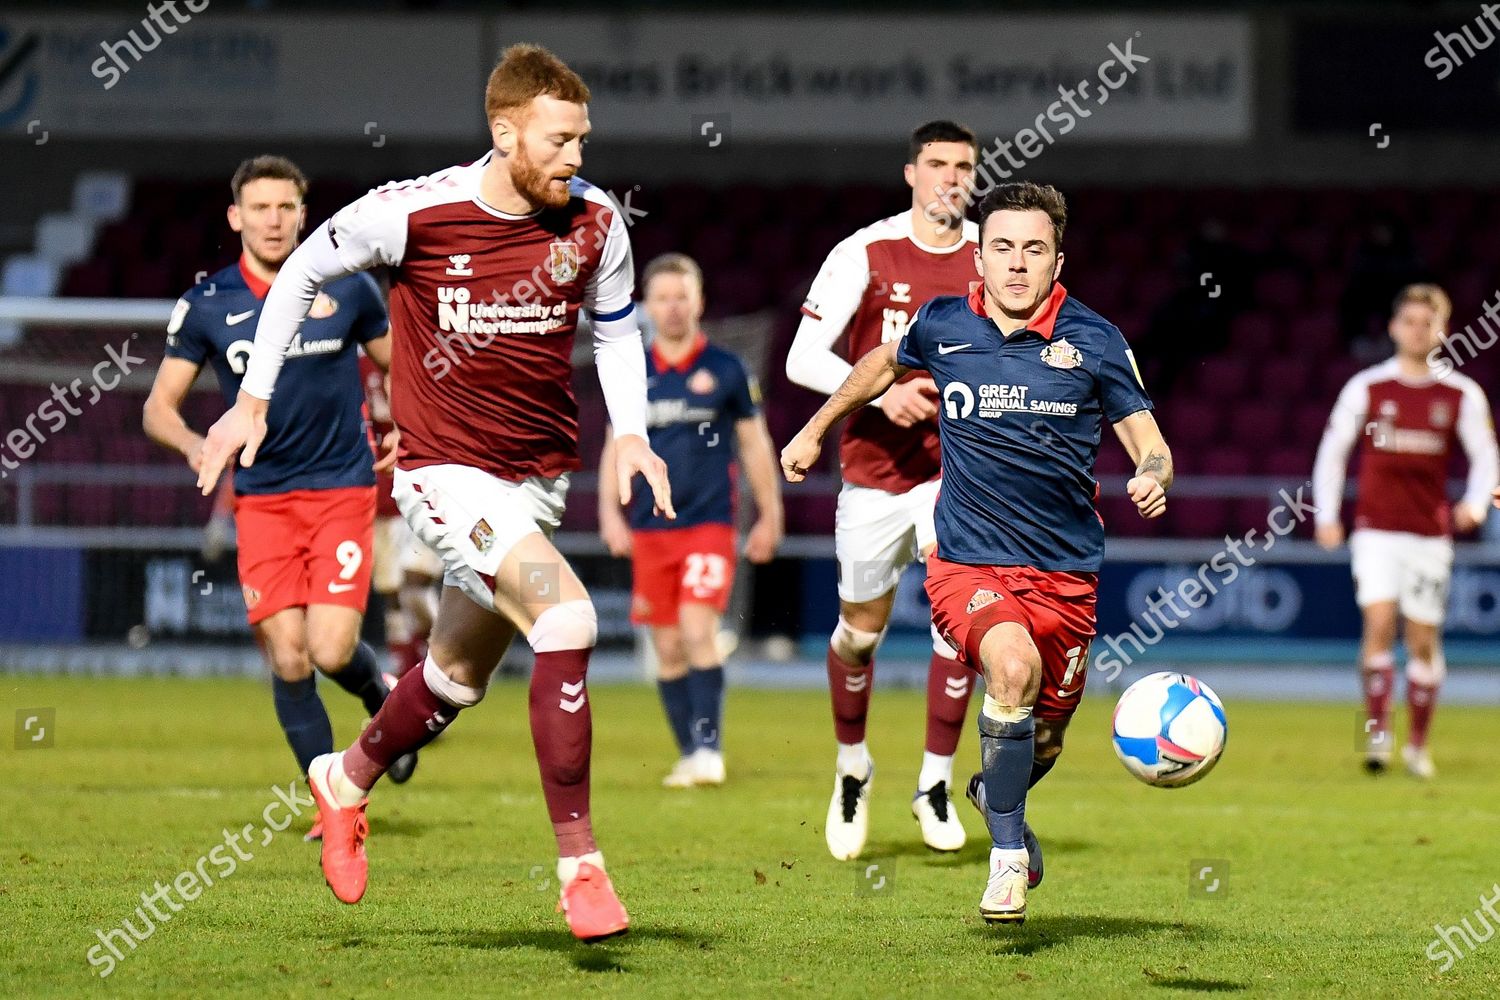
x,y
958,400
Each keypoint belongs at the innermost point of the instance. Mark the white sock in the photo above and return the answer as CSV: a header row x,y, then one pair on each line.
x,y
999,858
854,760
935,768
567,868
345,793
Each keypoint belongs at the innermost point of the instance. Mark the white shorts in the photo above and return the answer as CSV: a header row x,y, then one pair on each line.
x,y
472,520
1412,570
877,534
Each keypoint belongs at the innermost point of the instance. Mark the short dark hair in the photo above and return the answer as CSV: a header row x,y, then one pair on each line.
x,y
1026,196
277,168
671,263
941,130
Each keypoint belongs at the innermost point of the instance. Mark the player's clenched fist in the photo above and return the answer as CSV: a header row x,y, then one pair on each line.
x,y
632,455
799,456
243,426
1149,497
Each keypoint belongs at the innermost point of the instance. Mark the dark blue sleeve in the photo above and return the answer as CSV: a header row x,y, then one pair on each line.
x,y
185,337
371,322
1121,391
911,350
743,398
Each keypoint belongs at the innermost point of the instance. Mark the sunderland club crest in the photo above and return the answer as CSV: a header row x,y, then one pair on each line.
x,y
562,261
1061,354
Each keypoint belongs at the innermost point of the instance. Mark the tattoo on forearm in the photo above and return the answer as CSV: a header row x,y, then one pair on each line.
x,y
1158,466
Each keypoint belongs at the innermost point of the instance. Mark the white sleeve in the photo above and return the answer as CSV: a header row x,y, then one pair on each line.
x,y
831,302
361,235
611,288
620,357
1333,451
1476,432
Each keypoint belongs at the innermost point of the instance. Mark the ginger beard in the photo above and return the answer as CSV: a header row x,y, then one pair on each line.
x,y
535,184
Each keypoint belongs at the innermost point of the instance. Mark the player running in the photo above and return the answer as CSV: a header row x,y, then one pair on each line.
x,y
490,263
1026,375
869,287
1402,545
305,513
702,407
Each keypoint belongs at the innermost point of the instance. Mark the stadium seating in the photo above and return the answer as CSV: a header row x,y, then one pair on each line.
x,y
1250,400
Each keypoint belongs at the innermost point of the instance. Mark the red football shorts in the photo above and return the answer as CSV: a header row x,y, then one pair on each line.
x,y
1057,609
676,566
305,547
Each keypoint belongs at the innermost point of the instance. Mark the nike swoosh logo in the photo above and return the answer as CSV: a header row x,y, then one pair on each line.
x,y
339,588
1067,694
950,348
234,319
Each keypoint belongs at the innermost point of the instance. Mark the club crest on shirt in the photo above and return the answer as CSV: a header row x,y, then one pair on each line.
x,y
1061,354
324,306
702,382
982,598
1441,414
562,261
482,536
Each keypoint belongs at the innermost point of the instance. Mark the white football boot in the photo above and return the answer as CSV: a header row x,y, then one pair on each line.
x,y
1004,899
934,811
848,822
708,766
682,774
1378,747
1418,762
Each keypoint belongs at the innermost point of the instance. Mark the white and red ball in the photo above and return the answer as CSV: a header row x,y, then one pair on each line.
x,y
1169,729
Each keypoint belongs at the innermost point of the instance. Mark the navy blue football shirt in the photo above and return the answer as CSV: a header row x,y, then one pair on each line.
x,y
1020,423
691,411
316,438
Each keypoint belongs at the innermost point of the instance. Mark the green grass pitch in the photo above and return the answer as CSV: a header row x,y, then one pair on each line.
x,y
1334,880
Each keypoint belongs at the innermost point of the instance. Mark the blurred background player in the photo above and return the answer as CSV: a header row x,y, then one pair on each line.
x,y
1015,576
1407,412
304,513
703,408
869,287
404,573
490,264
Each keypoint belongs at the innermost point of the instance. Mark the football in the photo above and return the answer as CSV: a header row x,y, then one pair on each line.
x,y
1169,729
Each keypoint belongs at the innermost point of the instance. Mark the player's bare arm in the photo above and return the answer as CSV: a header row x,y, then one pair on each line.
x,y
379,351
1153,463
875,373
634,455
758,454
614,529
161,417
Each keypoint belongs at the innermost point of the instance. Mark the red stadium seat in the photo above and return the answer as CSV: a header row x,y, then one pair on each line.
x,y
1193,422
1252,423
1284,378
